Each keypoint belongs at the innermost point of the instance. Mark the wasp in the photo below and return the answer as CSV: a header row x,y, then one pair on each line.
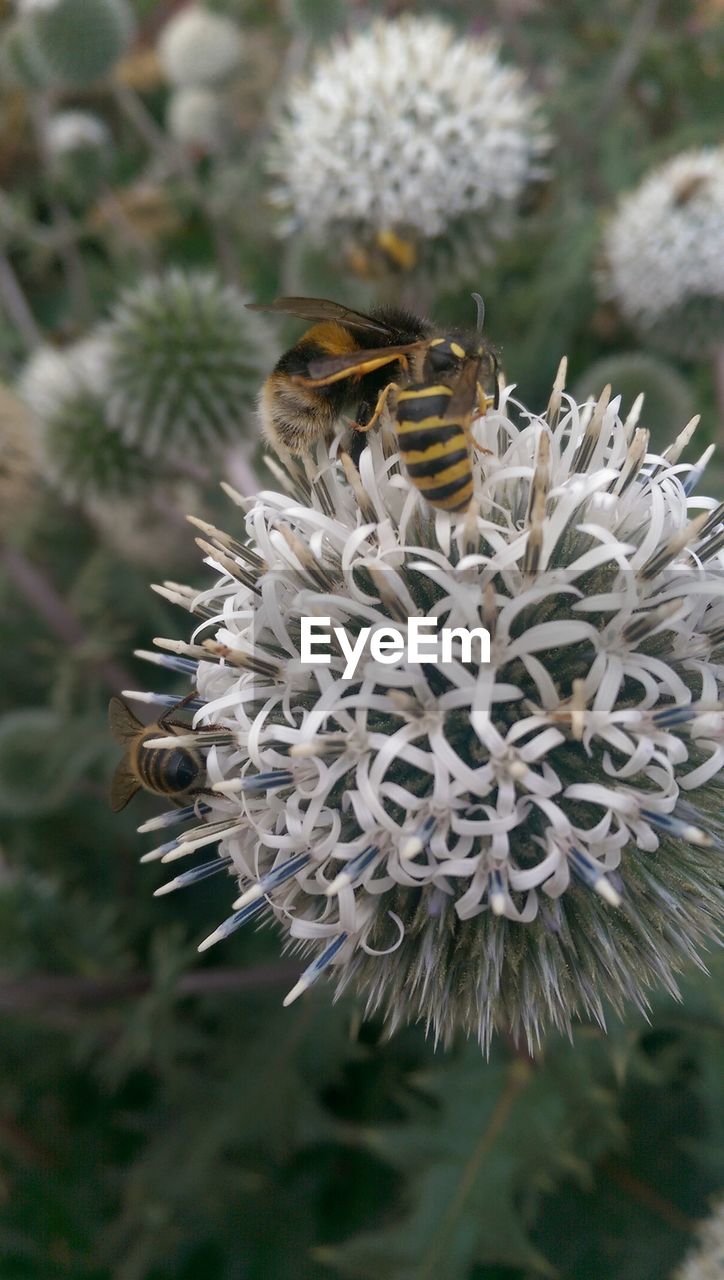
x,y
178,773
430,382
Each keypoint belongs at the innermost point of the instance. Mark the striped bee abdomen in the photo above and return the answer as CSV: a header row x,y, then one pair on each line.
x,y
434,448
167,771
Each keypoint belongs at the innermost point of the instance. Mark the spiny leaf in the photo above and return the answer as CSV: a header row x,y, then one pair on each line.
x,y
495,1130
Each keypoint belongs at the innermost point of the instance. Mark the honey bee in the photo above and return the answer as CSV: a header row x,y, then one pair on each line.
x,y
430,382
179,773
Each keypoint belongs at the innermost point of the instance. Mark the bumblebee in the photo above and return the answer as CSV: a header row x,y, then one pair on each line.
x,y
179,773
430,382
297,409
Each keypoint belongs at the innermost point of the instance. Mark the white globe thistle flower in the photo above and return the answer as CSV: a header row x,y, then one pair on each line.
x,y
663,254
706,1261
406,127
476,845
196,118
198,47
79,453
185,356
70,131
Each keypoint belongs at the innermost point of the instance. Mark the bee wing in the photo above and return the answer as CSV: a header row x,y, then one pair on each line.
x,y
322,309
330,368
462,401
122,723
124,785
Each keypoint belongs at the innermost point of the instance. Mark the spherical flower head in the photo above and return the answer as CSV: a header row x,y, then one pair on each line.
x,y
80,454
71,131
474,844
76,42
406,128
198,47
184,363
706,1260
197,119
664,254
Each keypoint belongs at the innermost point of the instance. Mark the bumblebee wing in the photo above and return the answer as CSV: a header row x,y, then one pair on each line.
x,y
322,309
462,401
122,723
332,368
124,785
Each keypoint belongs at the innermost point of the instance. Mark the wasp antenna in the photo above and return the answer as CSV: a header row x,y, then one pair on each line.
x,y
481,311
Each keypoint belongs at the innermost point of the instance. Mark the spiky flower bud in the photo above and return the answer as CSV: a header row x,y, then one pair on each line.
x,y
184,363
198,47
196,118
405,128
478,845
80,454
668,399
706,1261
75,42
664,254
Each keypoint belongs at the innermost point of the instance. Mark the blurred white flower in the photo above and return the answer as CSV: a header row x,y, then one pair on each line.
x,y
407,126
79,453
69,131
196,118
35,6
198,47
706,1261
663,253
478,846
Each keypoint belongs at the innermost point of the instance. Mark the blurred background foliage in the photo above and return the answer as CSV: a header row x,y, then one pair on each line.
x,y
161,1116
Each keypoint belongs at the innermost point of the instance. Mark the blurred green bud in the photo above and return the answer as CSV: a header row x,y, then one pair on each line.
x,y
76,42
18,66
185,363
668,401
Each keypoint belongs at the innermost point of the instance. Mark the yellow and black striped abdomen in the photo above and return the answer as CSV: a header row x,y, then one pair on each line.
x,y
434,448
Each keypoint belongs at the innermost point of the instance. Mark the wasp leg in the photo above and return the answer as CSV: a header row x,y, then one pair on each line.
x,y
390,391
484,401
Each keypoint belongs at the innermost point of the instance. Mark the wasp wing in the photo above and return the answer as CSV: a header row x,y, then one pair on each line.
x,y
124,785
122,723
331,368
322,309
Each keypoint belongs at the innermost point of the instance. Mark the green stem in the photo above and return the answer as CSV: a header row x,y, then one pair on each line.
x,y
16,305
38,591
